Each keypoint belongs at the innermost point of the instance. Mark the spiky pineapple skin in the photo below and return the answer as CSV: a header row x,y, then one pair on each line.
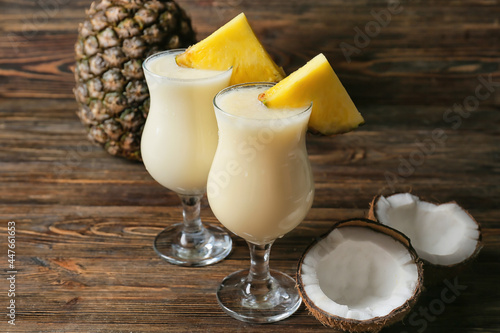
x,y
113,41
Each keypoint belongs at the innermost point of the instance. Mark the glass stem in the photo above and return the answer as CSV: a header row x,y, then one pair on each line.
x,y
193,233
259,281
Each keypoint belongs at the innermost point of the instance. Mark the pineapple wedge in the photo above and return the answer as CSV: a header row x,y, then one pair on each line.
x,y
333,111
236,45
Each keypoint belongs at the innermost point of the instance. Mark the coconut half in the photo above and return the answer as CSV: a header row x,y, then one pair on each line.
x,y
359,277
445,236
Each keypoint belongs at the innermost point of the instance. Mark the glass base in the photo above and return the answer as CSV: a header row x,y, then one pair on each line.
x,y
279,302
208,247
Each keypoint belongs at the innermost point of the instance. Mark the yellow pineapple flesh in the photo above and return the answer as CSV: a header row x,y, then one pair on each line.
x,y
333,111
233,45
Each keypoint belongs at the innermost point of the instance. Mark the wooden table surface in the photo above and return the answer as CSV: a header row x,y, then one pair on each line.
x,y
85,221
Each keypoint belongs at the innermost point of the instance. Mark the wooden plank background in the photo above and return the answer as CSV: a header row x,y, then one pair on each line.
x,y
85,220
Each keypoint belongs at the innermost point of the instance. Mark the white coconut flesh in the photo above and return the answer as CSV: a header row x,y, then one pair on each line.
x,y
358,273
440,234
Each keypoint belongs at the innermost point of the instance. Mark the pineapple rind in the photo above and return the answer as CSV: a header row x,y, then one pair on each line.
x,y
111,92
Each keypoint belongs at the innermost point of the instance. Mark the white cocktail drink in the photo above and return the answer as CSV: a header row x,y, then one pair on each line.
x,y
177,146
260,187
180,135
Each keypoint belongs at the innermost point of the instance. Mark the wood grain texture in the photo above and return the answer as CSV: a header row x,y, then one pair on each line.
x,y
86,221
426,52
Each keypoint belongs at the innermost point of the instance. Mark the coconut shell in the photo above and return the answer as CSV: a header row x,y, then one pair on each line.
x,y
377,323
434,273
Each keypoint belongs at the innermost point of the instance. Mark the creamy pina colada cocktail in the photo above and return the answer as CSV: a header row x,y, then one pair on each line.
x,y
260,185
177,146
180,135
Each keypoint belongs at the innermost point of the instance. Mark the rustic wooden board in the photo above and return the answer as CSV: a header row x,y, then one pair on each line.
x,y
85,220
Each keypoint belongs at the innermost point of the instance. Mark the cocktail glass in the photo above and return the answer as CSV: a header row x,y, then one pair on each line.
x,y
177,146
260,187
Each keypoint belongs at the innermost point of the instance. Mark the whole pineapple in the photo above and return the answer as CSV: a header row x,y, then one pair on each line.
x,y
113,41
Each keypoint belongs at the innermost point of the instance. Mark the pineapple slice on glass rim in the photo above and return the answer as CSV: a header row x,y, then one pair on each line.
x,y
233,45
333,109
